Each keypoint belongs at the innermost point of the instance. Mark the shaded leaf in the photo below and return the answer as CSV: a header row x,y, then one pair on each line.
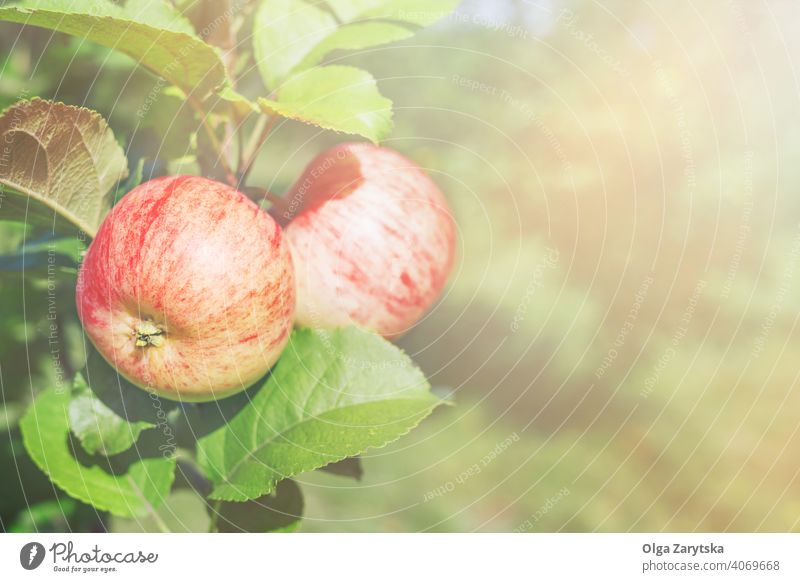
x,y
280,511
342,99
122,398
149,31
130,485
61,163
333,394
100,429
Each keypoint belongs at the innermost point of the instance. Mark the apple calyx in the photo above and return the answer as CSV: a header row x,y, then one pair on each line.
x,y
148,334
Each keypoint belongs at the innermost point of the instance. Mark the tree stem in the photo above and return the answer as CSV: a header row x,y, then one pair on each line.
x,y
230,176
259,136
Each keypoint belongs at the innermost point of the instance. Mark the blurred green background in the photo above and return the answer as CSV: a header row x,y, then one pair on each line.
x,y
620,330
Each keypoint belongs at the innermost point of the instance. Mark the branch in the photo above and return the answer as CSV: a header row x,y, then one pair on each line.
x,y
259,136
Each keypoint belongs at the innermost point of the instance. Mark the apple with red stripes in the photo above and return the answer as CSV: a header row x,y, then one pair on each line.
x,y
188,289
372,239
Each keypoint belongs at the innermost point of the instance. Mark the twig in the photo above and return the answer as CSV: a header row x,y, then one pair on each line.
x,y
230,176
259,136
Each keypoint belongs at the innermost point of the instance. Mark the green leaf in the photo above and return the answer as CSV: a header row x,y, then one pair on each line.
x,y
343,99
284,31
282,510
149,31
100,429
355,37
293,35
61,161
130,485
332,395
419,12
156,13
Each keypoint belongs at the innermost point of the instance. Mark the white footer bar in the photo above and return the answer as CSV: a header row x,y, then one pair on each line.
x,y
406,557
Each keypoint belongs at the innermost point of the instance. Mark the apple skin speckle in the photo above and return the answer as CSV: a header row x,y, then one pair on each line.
x,y
188,289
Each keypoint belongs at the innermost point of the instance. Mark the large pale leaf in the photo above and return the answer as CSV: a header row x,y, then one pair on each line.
x,y
127,485
149,31
59,163
333,394
343,99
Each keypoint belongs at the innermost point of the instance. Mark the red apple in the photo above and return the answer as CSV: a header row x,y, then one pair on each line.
x,y
188,289
372,240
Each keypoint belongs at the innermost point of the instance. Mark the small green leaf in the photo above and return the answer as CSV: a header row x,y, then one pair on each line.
x,y
127,485
342,99
61,162
149,31
332,395
100,429
282,510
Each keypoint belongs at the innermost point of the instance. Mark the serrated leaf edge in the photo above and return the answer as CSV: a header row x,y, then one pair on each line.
x,y
270,485
268,107
105,18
